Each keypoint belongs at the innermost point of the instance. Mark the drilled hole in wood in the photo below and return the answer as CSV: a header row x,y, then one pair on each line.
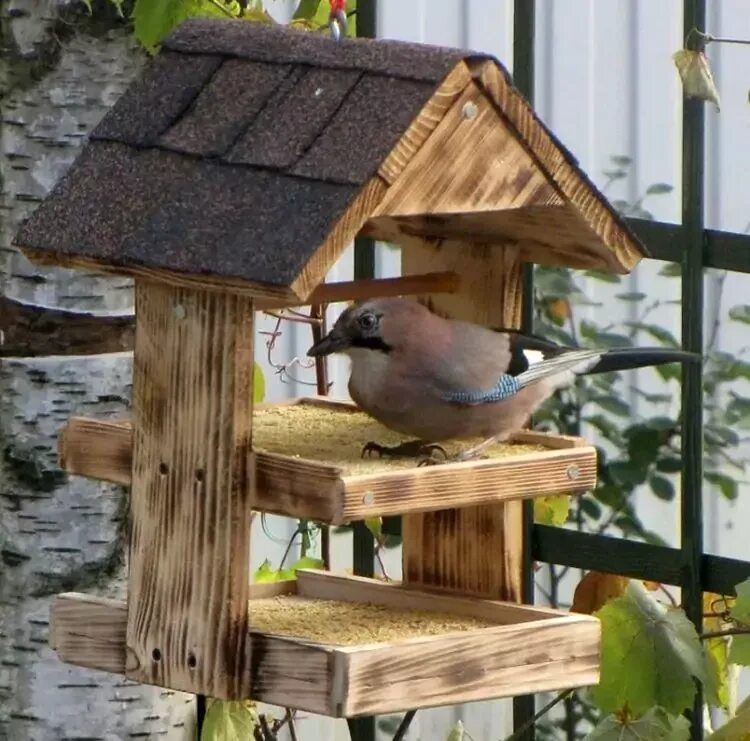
x,y
163,469
192,661
199,475
156,655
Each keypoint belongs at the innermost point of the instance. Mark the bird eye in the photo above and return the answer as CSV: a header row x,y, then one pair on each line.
x,y
368,321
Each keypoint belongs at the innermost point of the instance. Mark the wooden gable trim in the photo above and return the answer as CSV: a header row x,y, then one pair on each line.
x,y
593,208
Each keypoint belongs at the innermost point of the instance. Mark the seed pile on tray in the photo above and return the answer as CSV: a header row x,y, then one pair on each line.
x,y
350,623
336,437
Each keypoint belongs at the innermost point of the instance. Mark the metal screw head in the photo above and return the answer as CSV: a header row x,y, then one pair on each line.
x,y
318,92
368,498
573,472
469,110
179,311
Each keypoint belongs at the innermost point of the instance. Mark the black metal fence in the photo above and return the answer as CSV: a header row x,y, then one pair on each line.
x,y
692,246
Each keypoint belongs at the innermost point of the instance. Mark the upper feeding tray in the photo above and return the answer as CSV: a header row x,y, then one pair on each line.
x,y
309,464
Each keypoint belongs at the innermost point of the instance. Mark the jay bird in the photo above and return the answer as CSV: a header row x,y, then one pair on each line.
x,y
437,379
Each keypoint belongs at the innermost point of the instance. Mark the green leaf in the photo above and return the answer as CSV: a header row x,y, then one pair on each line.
x,y
375,526
308,9
627,474
654,725
739,650
602,276
266,573
621,160
650,654
613,405
229,721
737,728
658,188
740,313
307,563
662,487
669,465
727,485
155,19
658,333
741,608
457,733
671,270
631,296
552,510
259,384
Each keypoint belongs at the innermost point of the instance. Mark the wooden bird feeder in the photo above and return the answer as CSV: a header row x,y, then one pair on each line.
x,y
230,177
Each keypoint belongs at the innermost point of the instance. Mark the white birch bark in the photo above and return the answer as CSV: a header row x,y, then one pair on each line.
x,y
59,73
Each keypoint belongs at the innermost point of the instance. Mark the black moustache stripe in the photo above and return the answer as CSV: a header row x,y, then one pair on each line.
x,y
372,343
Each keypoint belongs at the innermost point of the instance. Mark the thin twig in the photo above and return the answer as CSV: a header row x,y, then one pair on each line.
x,y
292,728
404,726
267,735
529,723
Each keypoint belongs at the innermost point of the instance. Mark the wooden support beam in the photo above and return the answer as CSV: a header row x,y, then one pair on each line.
x,y
512,650
192,490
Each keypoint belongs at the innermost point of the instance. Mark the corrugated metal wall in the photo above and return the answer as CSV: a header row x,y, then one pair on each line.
x,y
607,86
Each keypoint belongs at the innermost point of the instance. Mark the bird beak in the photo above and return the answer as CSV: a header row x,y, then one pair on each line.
x,y
331,343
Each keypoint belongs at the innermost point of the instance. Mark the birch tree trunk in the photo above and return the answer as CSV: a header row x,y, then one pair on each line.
x,y
59,72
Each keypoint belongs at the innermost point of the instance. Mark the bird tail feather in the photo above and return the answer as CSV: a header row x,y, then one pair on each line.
x,y
628,358
576,361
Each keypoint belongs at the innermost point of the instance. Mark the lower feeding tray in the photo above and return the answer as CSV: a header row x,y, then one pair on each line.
x,y
346,646
308,463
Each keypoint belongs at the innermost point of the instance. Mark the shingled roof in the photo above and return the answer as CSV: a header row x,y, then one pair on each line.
x,y
243,147
237,150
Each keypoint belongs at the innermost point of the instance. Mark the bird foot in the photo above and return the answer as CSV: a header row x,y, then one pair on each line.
x,y
462,457
409,449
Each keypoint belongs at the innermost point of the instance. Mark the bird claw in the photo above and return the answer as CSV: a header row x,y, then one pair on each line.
x,y
410,449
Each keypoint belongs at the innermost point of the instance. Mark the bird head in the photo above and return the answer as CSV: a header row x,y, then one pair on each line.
x,y
374,324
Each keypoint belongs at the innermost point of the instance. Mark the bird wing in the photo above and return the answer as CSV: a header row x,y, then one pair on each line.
x,y
492,365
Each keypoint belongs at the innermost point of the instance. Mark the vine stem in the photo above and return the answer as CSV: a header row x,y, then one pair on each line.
x,y
404,726
725,633
529,723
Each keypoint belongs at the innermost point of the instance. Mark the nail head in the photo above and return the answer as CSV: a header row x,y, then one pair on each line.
x,y
574,472
470,110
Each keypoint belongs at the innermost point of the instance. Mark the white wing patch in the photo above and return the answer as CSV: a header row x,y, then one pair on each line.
x,y
533,356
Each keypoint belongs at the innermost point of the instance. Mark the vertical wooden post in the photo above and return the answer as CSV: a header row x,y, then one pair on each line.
x,y
192,491
473,550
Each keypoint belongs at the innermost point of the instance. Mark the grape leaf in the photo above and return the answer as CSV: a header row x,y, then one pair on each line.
x,y
739,650
259,383
229,720
267,574
654,725
740,313
375,526
154,19
552,510
717,663
738,728
597,588
741,608
650,654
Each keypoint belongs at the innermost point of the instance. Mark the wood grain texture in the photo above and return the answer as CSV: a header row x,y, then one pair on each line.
x,y
338,238
530,650
90,631
271,295
302,488
547,235
598,214
474,550
475,665
425,123
192,490
469,163
458,485
317,584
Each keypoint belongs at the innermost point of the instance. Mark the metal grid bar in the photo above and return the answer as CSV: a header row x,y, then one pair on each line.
x,y
695,248
524,28
691,501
